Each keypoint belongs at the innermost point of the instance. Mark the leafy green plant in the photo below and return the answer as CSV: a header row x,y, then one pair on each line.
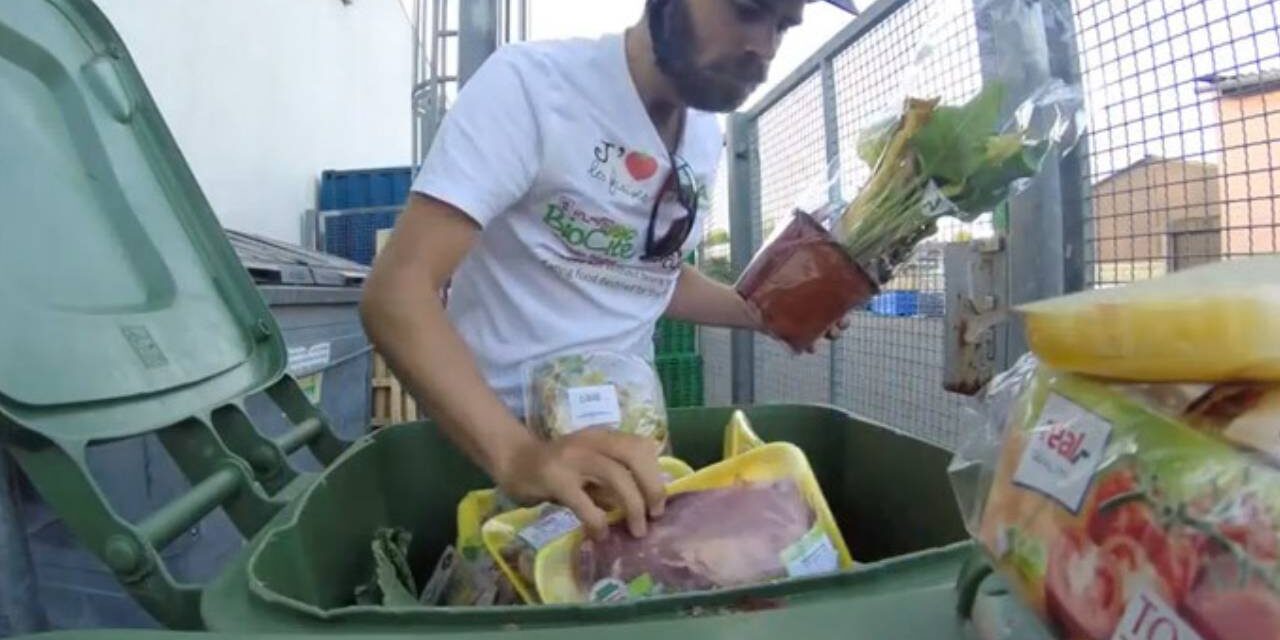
x,y
934,160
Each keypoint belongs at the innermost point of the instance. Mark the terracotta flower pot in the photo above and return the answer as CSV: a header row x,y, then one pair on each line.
x,y
802,282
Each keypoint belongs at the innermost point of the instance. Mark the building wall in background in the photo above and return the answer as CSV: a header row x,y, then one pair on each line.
x,y
263,96
1251,172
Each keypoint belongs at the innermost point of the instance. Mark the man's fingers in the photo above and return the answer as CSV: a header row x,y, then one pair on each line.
x,y
639,456
593,518
621,486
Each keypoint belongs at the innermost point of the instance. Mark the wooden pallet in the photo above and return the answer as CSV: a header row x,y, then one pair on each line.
x,y
392,404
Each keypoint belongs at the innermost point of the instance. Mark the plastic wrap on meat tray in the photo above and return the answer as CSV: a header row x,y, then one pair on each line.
x,y
1121,511
709,539
752,519
514,538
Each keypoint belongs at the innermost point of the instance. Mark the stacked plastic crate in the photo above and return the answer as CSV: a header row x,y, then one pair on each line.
x,y
355,205
679,363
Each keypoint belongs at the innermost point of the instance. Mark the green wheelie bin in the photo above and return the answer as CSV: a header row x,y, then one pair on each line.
x,y
127,314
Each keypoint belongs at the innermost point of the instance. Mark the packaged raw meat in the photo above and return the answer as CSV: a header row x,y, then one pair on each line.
x,y
599,389
926,160
1115,520
1214,323
752,519
739,437
513,538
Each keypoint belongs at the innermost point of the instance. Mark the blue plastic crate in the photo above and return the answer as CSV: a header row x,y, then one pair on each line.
x,y
900,304
385,187
933,305
354,234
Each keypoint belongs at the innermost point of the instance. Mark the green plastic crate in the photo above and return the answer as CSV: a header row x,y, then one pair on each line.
x,y
675,338
681,379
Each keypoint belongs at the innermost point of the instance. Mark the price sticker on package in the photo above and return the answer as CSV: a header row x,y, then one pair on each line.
x,y
594,406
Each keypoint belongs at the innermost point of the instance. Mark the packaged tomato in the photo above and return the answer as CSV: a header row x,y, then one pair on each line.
x,y
1115,519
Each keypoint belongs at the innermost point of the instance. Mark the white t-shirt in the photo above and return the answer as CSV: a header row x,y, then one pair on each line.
x,y
549,148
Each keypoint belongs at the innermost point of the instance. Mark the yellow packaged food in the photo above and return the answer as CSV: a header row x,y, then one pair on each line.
x,y
752,519
1216,323
514,537
739,437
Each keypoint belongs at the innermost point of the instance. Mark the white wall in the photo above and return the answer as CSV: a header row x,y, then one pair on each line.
x,y
262,95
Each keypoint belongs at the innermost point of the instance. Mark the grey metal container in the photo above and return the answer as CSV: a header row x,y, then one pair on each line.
x,y
48,581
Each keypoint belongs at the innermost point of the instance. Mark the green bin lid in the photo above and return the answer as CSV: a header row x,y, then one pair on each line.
x,y
126,308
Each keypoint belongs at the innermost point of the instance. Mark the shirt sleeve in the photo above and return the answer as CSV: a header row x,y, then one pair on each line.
x,y
487,151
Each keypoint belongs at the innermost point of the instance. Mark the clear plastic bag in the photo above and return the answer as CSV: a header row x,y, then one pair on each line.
x,y
1121,511
928,160
599,389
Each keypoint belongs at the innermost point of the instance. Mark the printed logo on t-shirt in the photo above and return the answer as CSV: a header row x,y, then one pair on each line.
x,y
625,171
595,235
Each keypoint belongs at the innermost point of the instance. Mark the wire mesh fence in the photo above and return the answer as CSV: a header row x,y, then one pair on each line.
x,y
1185,112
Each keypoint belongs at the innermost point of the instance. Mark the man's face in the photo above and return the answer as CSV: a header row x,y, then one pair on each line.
x,y
716,52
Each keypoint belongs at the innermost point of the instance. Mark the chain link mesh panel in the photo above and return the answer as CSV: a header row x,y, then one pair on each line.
x,y
1184,149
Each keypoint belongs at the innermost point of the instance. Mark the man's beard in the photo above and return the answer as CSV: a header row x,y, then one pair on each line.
x,y
675,45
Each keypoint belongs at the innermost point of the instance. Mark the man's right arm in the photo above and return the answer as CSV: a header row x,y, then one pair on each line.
x,y
406,321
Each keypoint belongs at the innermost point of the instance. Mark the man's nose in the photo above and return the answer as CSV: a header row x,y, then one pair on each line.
x,y
762,42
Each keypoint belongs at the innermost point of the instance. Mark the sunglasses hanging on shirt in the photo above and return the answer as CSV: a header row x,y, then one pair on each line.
x,y
680,178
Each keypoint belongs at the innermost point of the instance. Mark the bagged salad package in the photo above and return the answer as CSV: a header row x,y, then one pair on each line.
x,y
596,390
1128,510
513,538
928,160
1214,323
752,519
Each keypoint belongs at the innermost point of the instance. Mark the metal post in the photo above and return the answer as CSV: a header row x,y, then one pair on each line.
x,y
1064,56
477,35
743,166
832,126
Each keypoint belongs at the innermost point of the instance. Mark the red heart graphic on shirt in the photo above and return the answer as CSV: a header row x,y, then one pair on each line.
x,y
641,166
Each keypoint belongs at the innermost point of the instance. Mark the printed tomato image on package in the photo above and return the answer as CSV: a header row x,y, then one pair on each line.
x,y
1115,521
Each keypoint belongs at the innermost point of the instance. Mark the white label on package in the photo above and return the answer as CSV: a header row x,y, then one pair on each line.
x,y
813,555
1147,616
549,528
1065,450
594,406
934,204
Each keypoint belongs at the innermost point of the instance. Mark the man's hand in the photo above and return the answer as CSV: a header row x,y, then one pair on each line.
x,y
588,472
835,332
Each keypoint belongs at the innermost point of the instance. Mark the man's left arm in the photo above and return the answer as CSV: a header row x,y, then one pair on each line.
x,y
701,300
